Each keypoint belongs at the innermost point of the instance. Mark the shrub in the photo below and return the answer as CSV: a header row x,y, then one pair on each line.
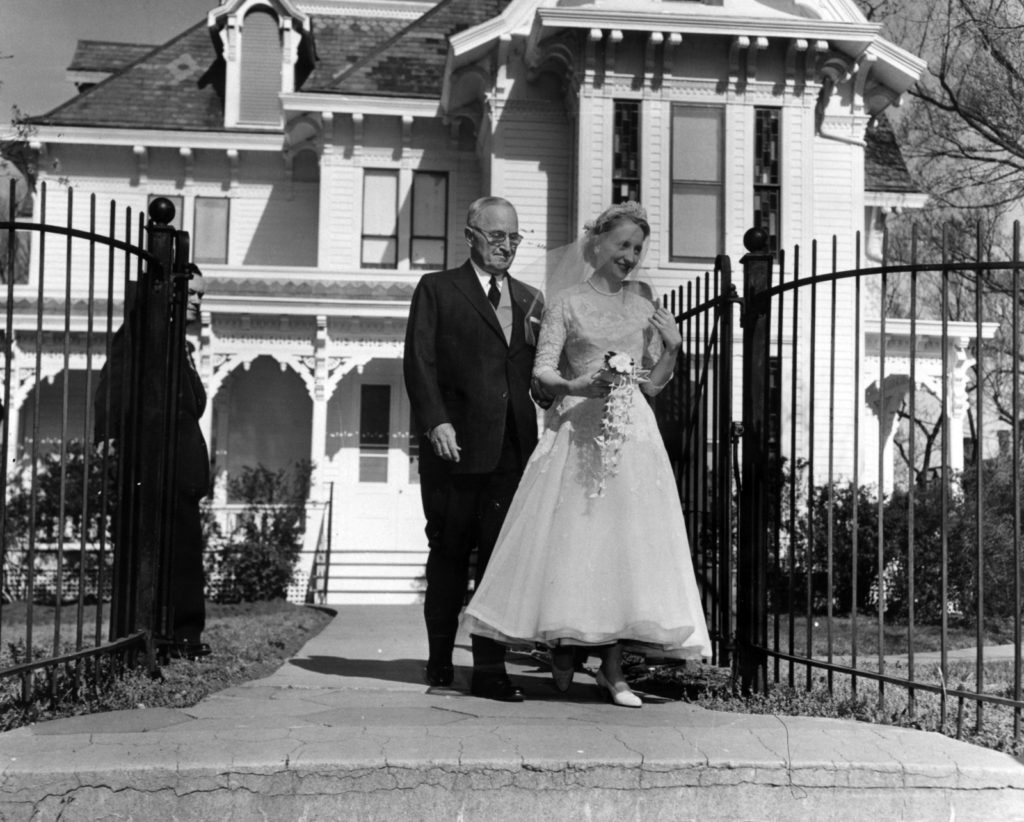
x,y
807,538
259,557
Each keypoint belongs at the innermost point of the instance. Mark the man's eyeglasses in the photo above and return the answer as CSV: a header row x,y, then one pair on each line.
x,y
497,238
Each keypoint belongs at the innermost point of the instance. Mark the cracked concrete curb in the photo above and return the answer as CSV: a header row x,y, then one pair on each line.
x,y
345,731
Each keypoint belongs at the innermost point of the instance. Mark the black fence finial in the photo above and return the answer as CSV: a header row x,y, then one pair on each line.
x,y
161,211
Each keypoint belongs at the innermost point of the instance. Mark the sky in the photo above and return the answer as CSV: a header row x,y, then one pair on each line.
x,y
38,37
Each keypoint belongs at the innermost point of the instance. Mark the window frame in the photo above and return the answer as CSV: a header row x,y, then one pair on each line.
x,y
395,174
196,233
414,236
676,184
760,187
618,151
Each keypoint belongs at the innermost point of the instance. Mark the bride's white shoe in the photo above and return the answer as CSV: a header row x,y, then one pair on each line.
x,y
624,698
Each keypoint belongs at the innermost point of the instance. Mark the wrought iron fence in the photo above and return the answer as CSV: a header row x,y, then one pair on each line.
x,y
73,540
879,550
694,414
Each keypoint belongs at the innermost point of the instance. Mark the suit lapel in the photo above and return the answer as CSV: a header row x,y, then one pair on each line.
x,y
468,284
522,302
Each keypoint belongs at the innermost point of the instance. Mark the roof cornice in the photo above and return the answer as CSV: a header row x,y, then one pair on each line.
x,y
153,138
623,20
359,104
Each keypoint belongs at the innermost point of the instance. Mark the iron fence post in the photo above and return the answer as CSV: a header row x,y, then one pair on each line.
x,y
754,521
723,471
141,558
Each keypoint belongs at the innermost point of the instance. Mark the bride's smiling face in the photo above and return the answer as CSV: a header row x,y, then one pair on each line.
x,y
619,249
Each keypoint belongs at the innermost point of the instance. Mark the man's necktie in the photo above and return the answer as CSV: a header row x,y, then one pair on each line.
x,y
494,293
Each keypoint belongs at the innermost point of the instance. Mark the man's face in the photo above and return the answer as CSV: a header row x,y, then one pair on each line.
x,y
196,289
493,238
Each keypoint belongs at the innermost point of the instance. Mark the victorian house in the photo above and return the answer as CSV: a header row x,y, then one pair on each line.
x,y
323,154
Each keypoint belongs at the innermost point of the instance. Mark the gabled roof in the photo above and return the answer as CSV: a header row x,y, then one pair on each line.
x,y
175,86
412,62
161,89
884,166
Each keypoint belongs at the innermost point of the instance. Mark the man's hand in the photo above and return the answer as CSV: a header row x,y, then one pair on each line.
x,y
540,394
442,439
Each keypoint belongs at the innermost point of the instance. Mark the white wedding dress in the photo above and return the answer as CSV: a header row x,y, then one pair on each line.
x,y
577,562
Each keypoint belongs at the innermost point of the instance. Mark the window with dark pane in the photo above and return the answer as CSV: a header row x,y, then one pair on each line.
x,y
767,187
626,152
428,248
374,432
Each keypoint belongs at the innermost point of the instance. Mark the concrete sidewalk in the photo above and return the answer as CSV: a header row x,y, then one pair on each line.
x,y
347,731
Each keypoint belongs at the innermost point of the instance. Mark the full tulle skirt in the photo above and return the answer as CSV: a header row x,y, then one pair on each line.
x,y
589,555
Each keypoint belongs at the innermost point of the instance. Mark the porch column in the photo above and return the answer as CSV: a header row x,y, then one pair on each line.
x,y
957,402
884,401
321,396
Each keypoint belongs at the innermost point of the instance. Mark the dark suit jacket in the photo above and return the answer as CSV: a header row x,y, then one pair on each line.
x,y
192,467
459,369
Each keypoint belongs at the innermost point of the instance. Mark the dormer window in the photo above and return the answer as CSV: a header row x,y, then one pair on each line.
x,y
260,70
266,48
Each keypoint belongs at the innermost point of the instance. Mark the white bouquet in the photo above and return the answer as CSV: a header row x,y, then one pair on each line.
x,y
622,375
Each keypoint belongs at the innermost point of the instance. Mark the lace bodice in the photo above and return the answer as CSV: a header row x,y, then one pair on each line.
x,y
581,325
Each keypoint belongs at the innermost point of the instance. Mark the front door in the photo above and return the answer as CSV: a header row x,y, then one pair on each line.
x,y
379,544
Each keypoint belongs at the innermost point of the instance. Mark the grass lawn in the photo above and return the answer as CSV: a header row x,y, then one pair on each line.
x,y
248,640
897,638
837,696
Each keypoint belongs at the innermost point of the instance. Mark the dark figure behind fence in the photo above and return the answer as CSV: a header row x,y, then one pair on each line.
x,y
192,483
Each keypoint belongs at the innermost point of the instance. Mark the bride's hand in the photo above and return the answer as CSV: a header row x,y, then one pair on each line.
x,y
589,385
665,323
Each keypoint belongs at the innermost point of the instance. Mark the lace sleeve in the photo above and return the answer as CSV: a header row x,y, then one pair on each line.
x,y
552,338
653,346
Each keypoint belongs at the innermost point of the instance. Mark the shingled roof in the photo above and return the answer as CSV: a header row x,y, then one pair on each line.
x,y
884,166
411,63
161,89
106,56
174,86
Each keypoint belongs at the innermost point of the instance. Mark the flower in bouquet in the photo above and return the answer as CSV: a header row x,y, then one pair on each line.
x,y
622,375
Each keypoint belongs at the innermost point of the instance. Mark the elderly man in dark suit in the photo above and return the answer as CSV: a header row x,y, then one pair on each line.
x,y
469,350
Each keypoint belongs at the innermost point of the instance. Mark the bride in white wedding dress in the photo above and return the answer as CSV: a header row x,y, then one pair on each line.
x,y
594,551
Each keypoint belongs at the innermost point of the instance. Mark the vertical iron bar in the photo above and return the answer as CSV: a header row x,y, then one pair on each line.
x,y
723,467
794,464
883,398
912,483
944,504
811,386
26,682
777,474
64,421
830,526
87,482
5,444
858,403
1015,463
979,495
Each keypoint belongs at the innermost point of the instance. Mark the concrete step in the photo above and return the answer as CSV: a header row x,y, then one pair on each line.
x,y
346,730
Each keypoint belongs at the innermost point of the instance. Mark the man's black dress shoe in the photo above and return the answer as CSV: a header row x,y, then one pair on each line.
x,y
495,686
439,676
185,649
